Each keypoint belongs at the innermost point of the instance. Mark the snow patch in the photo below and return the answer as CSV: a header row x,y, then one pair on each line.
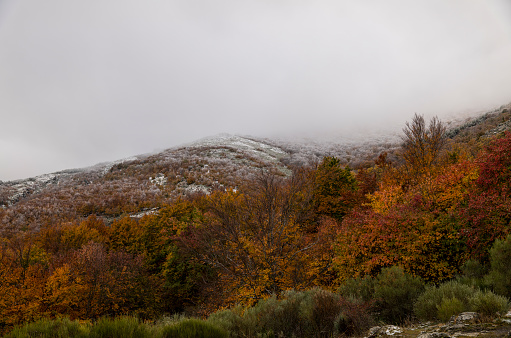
x,y
153,211
158,180
193,188
259,149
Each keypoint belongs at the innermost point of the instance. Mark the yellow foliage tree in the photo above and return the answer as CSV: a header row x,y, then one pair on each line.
x,y
257,243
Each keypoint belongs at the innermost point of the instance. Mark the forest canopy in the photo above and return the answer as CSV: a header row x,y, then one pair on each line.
x,y
115,249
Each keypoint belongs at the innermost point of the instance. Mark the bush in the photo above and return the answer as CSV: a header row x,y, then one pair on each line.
x,y
355,317
57,328
299,314
499,276
395,292
119,327
171,320
449,307
231,321
452,298
472,274
192,328
488,304
289,316
360,288
325,309
427,305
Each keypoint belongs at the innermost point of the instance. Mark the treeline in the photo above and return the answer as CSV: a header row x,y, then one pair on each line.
x,y
433,214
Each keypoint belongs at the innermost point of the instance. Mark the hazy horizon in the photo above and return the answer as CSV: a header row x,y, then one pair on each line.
x,y
88,82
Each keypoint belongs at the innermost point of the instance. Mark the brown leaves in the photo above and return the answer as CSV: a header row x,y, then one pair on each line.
x,y
422,145
256,242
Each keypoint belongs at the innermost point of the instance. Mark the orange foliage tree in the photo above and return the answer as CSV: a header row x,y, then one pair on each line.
x,y
419,229
94,282
256,240
23,270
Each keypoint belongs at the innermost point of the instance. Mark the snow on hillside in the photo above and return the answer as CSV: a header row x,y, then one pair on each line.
x,y
258,149
217,162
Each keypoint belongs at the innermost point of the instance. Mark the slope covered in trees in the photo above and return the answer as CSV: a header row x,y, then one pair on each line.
x,y
212,225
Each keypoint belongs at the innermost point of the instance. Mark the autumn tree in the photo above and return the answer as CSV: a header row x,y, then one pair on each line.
x,y
23,270
334,189
423,244
254,239
95,282
421,145
487,213
154,236
418,229
60,238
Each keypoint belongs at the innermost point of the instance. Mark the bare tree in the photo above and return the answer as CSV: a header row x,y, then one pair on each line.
x,y
422,145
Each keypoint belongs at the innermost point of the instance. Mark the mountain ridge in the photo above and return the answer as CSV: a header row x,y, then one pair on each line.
x,y
212,163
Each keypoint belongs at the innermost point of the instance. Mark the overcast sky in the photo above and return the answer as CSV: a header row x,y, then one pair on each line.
x,y
83,82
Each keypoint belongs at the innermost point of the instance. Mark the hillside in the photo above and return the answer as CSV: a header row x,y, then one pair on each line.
x,y
143,182
339,235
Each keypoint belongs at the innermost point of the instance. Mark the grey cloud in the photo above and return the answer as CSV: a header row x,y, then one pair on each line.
x,y
84,82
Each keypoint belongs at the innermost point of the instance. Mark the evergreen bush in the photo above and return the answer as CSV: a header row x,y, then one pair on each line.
x,y
395,292
449,307
194,328
472,274
489,304
56,328
499,276
231,321
312,313
453,297
360,288
289,316
120,328
427,304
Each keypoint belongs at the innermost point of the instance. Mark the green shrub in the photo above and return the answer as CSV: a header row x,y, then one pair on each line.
x,y
427,304
360,288
57,328
298,314
231,321
472,274
449,307
170,320
473,269
289,316
488,304
454,297
499,276
395,292
193,328
119,328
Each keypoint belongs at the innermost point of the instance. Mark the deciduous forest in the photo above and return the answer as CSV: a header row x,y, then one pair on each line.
x,y
434,210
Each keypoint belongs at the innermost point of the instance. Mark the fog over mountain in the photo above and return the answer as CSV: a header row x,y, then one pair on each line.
x,y
91,81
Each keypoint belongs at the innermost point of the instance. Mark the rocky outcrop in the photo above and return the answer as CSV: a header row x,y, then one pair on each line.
x,y
467,324
385,331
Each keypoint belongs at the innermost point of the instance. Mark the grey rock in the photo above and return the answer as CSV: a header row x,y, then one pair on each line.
x,y
373,331
384,331
434,335
464,318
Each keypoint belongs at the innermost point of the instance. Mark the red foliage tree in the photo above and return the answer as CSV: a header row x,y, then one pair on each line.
x,y
488,211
